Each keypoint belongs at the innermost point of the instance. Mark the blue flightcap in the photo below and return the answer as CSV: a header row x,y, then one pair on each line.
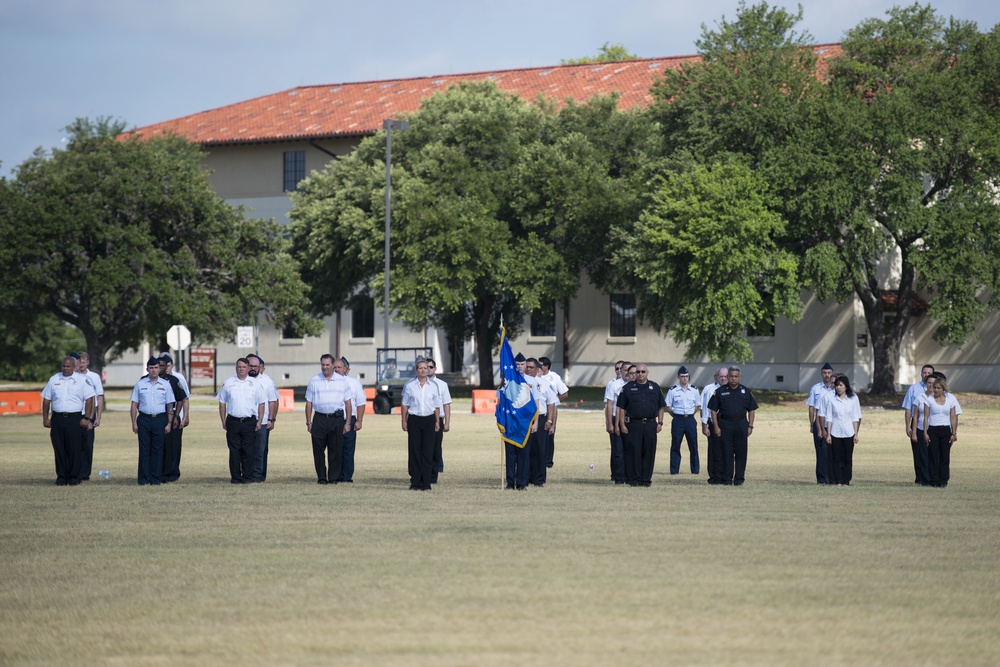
x,y
827,367
520,357
683,371
167,358
153,361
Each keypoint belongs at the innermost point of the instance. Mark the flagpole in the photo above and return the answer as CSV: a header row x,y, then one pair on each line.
x,y
503,450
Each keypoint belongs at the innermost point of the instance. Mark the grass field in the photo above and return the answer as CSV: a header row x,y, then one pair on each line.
x,y
778,572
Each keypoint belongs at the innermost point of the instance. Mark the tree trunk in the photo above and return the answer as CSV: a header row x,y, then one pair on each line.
x,y
483,314
886,336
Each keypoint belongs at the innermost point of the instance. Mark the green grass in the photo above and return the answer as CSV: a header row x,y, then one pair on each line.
x,y
780,571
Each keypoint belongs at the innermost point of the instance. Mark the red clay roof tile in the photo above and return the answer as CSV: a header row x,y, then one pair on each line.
x,y
351,109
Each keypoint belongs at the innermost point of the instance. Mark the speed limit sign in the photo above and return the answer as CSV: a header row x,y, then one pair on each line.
x,y
244,337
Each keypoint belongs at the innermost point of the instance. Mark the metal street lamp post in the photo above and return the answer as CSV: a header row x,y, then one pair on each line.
x,y
389,126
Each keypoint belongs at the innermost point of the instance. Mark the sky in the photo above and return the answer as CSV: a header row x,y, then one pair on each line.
x,y
146,61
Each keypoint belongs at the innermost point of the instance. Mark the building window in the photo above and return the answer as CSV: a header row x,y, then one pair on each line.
x,y
543,320
763,330
363,317
622,315
295,169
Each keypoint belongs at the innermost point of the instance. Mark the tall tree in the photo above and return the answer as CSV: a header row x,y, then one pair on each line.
x,y
884,169
606,54
123,237
489,197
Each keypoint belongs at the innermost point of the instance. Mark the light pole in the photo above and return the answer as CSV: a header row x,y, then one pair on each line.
x,y
389,125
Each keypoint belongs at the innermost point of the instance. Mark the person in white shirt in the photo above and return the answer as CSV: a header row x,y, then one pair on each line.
x,y
330,396
545,398
817,394
94,380
359,402
921,473
174,441
442,387
71,401
562,391
716,463
941,423
421,414
257,369
611,392
918,433
842,421
242,404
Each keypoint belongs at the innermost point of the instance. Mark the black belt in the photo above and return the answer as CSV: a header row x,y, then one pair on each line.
x,y
68,414
683,415
239,419
339,414
158,414
642,420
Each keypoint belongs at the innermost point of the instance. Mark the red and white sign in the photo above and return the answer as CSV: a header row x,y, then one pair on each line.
x,y
202,363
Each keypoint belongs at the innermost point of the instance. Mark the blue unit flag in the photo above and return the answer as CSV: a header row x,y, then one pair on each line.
x,y
516,410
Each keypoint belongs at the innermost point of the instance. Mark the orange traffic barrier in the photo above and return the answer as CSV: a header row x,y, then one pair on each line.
x,y
484,400
369,393
286,400
20,403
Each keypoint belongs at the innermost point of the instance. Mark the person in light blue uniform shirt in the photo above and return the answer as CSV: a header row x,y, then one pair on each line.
x,y
682,401
918,439
152,412
816,403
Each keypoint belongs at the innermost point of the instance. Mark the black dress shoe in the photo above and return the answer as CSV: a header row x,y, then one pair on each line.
x,y
322,481
522,487
61,482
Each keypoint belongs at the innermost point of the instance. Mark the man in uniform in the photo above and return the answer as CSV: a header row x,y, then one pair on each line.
x,y
921,465
611,392
817,396
257,368
682,401
242,404
172,441
71,400
640,418
358,403
733,411
445,425
152,413
94,380
329,398
715,463
562,391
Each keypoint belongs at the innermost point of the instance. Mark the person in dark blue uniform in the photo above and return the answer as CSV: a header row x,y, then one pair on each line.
x,y
640,418
733,410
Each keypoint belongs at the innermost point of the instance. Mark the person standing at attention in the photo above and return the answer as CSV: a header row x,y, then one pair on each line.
x,y
358,403
152,412
815,403
71,401
421,414
683,399
715,462
733,411
640,419
841,421
941,421
242,405
328,403
918,439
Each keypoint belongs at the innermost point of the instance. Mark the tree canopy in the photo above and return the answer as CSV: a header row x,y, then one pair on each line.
x,y
493,202
607,53
123,237
884,171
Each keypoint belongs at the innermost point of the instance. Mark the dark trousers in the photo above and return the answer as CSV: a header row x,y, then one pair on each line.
x,y
242,440
716,464
842,460
939,454
328,446
172,453
684,427
151,438
438,463
420,444
550,449
734,450
86,453
67,444
260,454
537,465
350,444
617,459
921,470
822,455
642,437
516,459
